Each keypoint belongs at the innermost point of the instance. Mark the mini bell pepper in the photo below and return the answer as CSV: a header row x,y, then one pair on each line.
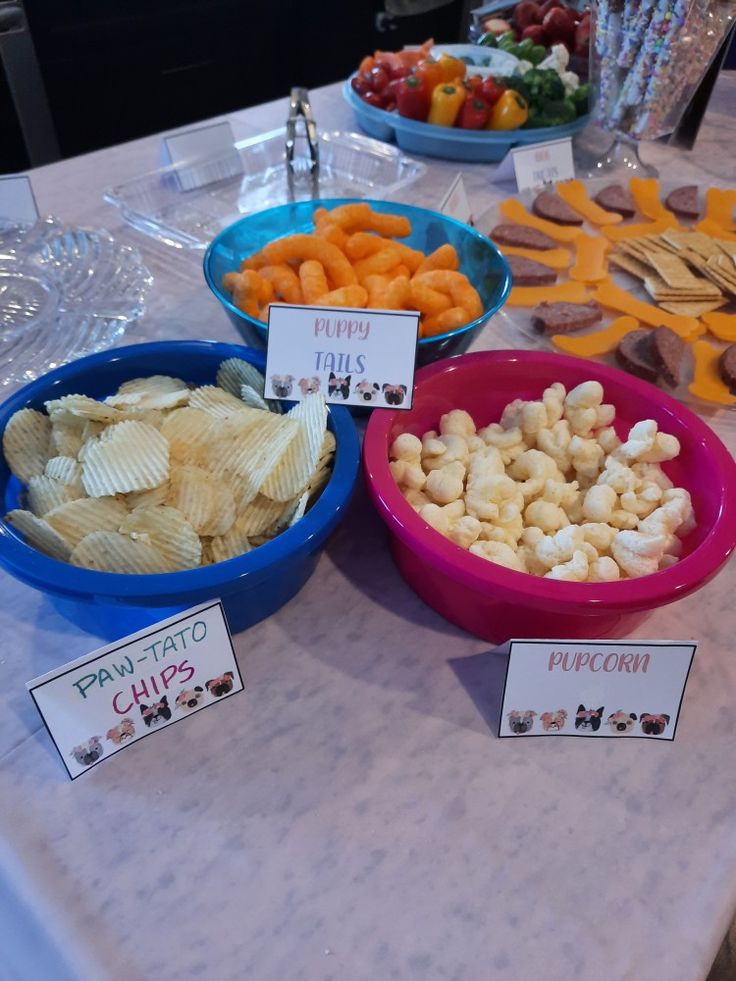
x,y
430,72
445,105
452,68
491,90
412,98
473,83
510,112
474,113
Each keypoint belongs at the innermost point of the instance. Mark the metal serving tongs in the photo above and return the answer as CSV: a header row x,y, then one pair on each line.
x,y
301,108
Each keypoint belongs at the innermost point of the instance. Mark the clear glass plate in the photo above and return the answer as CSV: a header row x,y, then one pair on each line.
x,y
64,292
186,205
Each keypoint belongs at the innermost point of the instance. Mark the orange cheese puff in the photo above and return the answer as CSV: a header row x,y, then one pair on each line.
x,y
449,319
400,270
376,286
457,285
285,282
245,294
359,245
445,257
254,261
428,301
230,281
320,214
332,233
346,296
393,226
349,216
382,262
313,281
398,294
336,264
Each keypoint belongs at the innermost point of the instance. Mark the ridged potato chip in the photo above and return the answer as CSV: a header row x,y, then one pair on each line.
x,y
189,433
234,373
66,434
65,469
206,502
74,520
128,456
148,498
259,515
217,402
27,443
155,392
39,534
109,551
44,493
84,407
168,531
294,469
229,546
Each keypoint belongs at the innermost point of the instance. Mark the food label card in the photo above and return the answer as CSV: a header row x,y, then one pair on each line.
x,y
105,701
538,164
206,155
614,689
17,203
355,357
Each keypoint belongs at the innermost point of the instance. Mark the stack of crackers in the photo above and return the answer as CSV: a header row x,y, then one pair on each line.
x,y
684,272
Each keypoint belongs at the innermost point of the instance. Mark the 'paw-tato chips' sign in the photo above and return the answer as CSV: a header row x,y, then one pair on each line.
x,y
104,701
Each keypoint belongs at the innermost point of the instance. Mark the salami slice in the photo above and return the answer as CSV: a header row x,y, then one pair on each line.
x,y
522,237
527,272
668,351
727,365
563,318
634,354
684,201
617,199
550,205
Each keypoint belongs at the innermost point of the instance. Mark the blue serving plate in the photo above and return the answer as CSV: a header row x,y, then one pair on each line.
x,y
480,260
446,142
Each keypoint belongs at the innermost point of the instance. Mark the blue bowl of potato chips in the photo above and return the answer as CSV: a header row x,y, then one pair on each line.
x,y
252,584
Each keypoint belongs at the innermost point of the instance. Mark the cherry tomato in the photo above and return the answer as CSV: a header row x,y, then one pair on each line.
x,y
373,99
360,84
379,79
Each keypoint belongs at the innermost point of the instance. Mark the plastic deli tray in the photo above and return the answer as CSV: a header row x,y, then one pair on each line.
x,y
446,142
186,204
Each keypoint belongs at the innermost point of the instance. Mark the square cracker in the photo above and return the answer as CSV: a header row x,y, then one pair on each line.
x,y
631,264
673,270
692,308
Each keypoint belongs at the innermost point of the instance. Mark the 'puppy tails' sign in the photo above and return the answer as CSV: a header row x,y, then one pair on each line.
x,y
588,688
354,356
101,703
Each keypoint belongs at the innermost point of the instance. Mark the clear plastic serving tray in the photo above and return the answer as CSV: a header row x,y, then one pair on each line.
x,y
185,205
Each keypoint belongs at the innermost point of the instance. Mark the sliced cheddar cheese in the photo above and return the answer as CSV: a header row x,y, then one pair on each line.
x,y
707,382
530,296
513,209
554,258
575,194
591,259
599,341
645,191
721,325
609,295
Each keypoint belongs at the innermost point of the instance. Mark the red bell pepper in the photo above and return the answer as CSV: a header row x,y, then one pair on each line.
x,y
474,113
412,98
491,91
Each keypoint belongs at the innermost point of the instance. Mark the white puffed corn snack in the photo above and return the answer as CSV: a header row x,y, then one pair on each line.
x,y
550,489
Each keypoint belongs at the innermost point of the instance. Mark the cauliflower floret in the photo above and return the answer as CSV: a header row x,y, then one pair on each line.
x,y
586,456
447,483
558,58
500,553
406,447
458,422
465,531
545,515
646,445
603,569
576,570
571,82
408,474
599,503
638,554
438,451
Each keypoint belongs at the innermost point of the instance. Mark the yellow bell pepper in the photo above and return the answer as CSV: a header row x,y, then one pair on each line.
x,y
445,105
452,68
510,112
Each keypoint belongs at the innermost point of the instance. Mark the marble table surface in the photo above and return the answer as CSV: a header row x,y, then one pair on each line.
x,y
352,815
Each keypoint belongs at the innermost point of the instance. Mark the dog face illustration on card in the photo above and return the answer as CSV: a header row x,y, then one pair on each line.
x,y
653,725
588,719
621,722
338,387
121,732
157,713
393,394
367,391
553,721
89,752
521,722
222,685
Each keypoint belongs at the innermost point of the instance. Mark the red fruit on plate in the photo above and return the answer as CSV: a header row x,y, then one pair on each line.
x,y
558,27
379,79
373,99
525,13
497,26
361,84
549,5
582,37
536,33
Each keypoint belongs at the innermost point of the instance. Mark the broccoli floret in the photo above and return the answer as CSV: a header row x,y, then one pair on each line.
x,y
544,85
555,112
581,99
